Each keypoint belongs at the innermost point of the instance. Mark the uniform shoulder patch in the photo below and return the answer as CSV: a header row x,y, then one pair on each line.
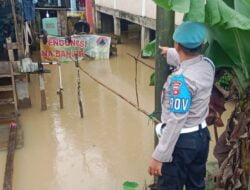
x,y
180,97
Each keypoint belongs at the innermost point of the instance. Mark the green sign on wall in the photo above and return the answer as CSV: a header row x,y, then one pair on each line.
x,y
50,25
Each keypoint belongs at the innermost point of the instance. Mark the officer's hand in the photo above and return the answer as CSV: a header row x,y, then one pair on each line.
x,y
155,167
164,50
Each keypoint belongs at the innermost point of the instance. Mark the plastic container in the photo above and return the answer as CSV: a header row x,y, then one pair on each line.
x,y
129,185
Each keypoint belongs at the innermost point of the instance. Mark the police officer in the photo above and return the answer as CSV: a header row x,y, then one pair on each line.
x,y
181,154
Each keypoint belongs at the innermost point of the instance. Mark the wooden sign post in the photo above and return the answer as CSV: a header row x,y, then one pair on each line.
x,y
60,91
42,91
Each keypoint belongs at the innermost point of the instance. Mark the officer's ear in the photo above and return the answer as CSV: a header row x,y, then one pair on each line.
x,y
177,47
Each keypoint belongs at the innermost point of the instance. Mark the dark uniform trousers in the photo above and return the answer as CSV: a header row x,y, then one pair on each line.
x,y
188,167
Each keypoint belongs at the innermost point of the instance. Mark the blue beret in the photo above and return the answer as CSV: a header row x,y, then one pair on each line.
x,y
190,34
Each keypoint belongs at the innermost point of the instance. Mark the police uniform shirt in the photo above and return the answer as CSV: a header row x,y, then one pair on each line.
x,y
185,100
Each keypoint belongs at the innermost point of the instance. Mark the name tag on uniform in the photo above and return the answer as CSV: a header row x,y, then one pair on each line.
x,y
180,97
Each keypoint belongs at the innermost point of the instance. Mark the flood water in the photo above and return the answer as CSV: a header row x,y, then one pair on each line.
x,y
112,144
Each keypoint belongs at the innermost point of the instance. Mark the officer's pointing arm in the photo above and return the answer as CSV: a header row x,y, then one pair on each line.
x,y
173,57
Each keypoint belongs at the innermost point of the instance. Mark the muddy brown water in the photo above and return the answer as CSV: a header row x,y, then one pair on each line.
x,y
112,144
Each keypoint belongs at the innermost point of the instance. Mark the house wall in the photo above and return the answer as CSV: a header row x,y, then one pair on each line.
x,y
141,12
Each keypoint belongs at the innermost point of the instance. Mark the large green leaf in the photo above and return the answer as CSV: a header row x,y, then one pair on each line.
x,y
164,4
243,6
231,33
181,6
152,79
229,3
150,49
215,11
229,37
231,18
176,5
197,11
229,48
236,43
216,53
212,12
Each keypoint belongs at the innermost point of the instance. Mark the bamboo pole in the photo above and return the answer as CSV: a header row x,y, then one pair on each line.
x,y
119,95
79,86
136,83
136,75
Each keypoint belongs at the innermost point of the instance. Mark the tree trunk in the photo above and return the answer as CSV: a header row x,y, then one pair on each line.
x,y
164,31
165,24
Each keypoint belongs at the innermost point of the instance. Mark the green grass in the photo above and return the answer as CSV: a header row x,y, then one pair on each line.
x,y
212,168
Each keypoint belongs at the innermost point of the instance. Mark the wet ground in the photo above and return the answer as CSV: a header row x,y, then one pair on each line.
x,y
112,144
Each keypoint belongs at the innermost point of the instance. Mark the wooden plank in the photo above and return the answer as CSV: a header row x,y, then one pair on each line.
x,y
4,136
59,24
51,8
10,157
42,91
12,46
12,59
4,67
6,88
6,75
4,62
6,101
22,90
7,62
9,115
64,22
19,74
10,52
13,87
60,91
35,72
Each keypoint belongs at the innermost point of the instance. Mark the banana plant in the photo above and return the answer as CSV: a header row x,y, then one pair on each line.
x,y
228,45
229,33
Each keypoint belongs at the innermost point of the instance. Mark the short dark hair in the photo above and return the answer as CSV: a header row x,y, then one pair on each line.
x,y
191,51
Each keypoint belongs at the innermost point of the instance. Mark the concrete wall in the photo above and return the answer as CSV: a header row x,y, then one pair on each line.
x,y
141,12
150,9
105,3
142,8
136,7
130,6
